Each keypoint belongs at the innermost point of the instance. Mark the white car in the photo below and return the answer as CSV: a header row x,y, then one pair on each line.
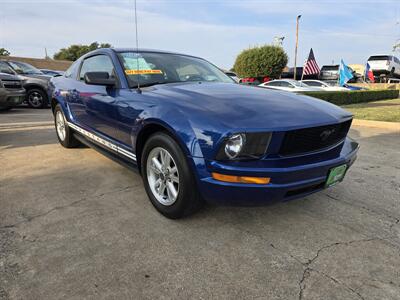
x,y
289,85
323,85
384,64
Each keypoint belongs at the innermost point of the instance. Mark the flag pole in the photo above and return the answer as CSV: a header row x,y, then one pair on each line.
x,y
297,43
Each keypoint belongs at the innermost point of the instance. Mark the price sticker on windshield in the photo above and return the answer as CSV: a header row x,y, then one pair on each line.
x,y
142,72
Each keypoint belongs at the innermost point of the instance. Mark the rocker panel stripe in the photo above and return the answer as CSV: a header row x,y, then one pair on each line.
x,y
103,141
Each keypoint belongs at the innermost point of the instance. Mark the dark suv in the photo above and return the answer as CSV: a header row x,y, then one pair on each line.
x,y
36,83
11,91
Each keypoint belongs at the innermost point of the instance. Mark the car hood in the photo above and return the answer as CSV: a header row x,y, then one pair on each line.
x,y
38,76
6,76
245,107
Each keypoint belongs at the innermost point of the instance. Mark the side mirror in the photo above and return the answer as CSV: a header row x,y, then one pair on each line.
x,y
99,78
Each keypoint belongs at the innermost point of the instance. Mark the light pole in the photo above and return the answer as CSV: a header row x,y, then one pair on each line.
x,y
297,43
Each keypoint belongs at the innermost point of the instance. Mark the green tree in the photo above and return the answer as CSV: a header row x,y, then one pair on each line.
x,y
261,61
73,52
4,52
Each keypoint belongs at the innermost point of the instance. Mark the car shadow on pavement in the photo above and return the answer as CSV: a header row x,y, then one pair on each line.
x,y
27,137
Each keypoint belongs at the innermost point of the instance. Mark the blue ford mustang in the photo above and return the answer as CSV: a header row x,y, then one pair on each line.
x,y
196,135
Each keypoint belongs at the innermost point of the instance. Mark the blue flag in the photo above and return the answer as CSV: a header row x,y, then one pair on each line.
x,y
344,73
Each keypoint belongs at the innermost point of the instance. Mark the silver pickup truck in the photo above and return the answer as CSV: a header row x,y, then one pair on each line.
x,y
12,92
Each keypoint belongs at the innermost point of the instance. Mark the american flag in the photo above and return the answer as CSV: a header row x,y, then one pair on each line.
x,y
311,66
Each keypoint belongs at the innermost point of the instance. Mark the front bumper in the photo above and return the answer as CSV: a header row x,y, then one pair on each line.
x,y
286,183
11,98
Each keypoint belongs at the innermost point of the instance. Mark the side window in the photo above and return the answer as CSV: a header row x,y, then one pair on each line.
x,y
396,60
98,63
312,83
273,83
71,72
286,84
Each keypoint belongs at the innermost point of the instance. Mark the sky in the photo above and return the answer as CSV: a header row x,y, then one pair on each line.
x,y
216,30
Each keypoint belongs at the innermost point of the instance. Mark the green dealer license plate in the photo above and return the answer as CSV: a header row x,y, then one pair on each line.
x,y
336,175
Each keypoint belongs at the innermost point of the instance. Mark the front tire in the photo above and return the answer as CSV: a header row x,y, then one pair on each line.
x,y
64,133
36,98
167,178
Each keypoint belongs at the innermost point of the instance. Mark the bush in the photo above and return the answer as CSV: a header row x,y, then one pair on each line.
x,y
350,97
261,61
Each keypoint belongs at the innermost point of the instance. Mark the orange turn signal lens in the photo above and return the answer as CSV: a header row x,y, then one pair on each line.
x,y
241,179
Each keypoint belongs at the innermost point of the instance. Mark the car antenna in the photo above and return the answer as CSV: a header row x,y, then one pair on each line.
x,y
138,90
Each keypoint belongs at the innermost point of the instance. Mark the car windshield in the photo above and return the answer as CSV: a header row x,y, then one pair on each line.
x,y
5,68
24,68
150,68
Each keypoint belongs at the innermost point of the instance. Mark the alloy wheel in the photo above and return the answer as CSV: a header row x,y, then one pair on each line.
x,y
35,99
162,176
60,124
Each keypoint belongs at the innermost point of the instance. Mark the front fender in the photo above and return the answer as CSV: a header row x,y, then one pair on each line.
x,y
176,124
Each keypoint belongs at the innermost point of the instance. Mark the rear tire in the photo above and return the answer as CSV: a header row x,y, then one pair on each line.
x,y
64,133
167,178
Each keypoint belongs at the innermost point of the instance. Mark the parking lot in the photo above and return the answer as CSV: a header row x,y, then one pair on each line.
x,y
75,224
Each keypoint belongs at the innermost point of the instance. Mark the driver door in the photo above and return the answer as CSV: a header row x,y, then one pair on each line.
x,y
94,107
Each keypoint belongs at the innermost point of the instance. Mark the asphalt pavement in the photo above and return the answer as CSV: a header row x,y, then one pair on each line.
x,y
77,225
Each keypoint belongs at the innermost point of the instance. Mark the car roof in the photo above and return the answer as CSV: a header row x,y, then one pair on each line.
x,y
120,50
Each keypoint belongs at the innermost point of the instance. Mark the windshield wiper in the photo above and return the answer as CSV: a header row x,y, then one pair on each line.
x,y
152,83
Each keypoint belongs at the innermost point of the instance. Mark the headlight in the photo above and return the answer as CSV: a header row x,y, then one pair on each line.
x,y
244,146
234,145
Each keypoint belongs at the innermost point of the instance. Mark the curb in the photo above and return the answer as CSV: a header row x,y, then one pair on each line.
x,y
377,124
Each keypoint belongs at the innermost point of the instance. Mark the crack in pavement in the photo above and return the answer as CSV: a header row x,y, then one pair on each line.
x,y
310,261
28,219
340,283
302,285
308,269
396,219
